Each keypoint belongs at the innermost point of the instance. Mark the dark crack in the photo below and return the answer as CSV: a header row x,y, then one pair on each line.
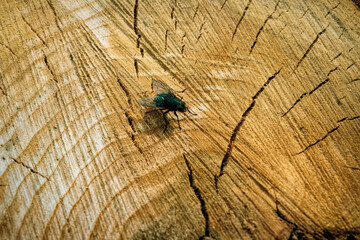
x,y
33,30
227,155
319,140
318,86
353,118
262,27
28,167
309,93
296,102
182,49
200,198
296,233
172,13
222,5
310,47
136,30
332,70
336,57
196,11
352,64
50,69
8,48
241,18
353,168
332,9
166,38
136,68
354,80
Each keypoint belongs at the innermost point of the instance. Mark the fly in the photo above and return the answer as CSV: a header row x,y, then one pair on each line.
x,y
165,101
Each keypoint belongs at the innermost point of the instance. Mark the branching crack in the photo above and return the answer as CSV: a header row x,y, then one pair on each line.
x,y
310,47
241,18
262,27
28,167
227,155
200,198
33,30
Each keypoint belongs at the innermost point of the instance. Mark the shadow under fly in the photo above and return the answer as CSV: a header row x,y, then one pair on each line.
x,y
165,101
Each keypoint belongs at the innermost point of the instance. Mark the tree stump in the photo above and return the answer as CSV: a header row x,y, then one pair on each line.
x,y
273,152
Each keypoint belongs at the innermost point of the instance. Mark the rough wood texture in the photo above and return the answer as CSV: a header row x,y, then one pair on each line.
x,y
273,152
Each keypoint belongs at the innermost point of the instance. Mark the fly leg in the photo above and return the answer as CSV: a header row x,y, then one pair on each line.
x,y
166,121
177,119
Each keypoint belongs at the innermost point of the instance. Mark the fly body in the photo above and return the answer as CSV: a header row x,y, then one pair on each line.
x,y
165,101
170,102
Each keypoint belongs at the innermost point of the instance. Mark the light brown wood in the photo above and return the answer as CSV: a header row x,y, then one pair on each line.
x,y
273,152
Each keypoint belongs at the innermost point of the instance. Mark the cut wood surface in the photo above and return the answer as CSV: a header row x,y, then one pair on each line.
x,y
273,152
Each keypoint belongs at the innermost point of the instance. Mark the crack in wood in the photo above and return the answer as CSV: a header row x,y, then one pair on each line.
x,y
33,30
200,198
319,140
8,48
336,57
310,92
332,9
318,86
50,69
166,38
222,6
136,69
241,18
29,168
296,233
196,11
172,13
354,80
262,27
135,17
352,64
227,155
310,47
332,70
353,168
3,91
294,104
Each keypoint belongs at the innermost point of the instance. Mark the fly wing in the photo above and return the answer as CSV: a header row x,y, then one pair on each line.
x,y
147,102
161,87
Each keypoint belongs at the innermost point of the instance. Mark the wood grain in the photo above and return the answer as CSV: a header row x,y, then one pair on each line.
x,y
273,152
